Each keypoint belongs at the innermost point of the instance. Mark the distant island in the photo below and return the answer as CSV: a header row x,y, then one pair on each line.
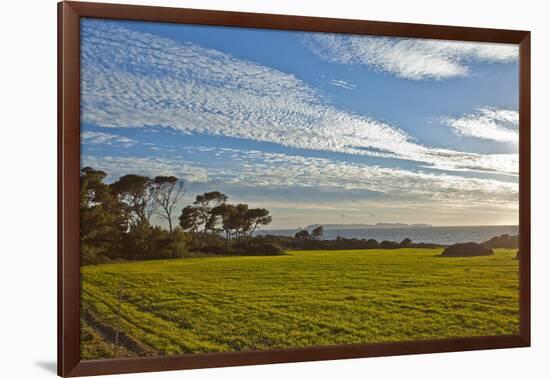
x,y
336,226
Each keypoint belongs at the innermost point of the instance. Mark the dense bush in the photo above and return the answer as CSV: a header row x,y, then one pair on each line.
x,y
144,242
263,249
170,245
467,250
372,243
405,242
288,242
502,241
253,247
215,250
389,245
92,255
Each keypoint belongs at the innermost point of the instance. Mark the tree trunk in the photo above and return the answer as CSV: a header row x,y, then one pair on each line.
x,y
170,222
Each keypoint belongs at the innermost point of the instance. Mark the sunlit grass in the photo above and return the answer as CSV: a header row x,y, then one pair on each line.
x,y
305,298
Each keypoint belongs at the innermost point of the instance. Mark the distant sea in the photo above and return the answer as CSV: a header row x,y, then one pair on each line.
x,y
436,235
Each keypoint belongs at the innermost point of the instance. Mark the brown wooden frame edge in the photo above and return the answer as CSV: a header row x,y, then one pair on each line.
x,y
69,14
148,364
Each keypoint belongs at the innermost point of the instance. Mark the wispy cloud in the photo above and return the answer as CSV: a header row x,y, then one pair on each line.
x,y
342,84
495,124
414,59
134,79
258,169
94,137
117,166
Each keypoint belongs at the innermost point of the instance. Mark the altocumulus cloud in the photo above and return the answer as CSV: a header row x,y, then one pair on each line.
x,y
500,125
414,59
94,137
135,79
260,169
117,166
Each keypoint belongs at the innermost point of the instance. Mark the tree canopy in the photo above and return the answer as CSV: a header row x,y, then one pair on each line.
x,y
117,219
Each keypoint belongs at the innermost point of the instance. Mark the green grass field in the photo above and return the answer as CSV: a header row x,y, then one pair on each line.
x,y
305,298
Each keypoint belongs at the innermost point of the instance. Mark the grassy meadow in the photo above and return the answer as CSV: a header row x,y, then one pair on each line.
x,y
304,298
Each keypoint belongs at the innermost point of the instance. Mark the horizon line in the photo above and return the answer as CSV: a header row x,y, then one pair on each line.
x,y
413,224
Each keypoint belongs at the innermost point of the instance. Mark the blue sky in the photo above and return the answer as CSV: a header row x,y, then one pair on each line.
x,y
318,128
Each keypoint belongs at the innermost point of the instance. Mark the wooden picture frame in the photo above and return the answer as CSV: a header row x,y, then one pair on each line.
x,y
69,15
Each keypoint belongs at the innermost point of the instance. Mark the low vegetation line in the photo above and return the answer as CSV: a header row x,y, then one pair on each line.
x,y
118,224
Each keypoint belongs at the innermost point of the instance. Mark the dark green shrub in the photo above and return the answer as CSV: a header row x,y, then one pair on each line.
x,y
264,249
389,245
502,241
467,250
90,255
215,250
372,244
169,245
144,242
405,242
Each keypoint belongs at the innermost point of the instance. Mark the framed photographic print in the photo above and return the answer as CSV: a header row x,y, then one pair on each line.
x,y
239,188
